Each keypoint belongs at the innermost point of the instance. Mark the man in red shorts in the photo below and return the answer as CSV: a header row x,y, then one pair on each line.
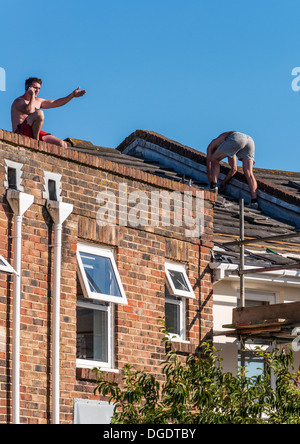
x,y
27,116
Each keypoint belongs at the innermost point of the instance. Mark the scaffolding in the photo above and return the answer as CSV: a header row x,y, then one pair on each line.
x,y
272,323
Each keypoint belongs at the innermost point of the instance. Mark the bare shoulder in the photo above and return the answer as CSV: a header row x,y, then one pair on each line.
x,y
18,100
18,103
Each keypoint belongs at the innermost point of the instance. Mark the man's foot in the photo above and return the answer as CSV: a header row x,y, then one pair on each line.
x,y
213,187
253,205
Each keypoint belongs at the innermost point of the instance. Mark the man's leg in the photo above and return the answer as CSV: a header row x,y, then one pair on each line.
x,y
215,166
248,171
36,121
55,140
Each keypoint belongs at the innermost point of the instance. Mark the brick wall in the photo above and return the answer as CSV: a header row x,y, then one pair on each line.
x,y
140,254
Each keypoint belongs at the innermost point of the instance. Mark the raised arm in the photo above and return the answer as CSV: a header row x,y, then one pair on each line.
x,y
47,104
22,107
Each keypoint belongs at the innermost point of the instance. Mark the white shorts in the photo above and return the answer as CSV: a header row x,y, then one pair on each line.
x,y
240,144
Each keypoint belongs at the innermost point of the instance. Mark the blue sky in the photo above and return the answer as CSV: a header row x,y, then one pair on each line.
x,y
187,69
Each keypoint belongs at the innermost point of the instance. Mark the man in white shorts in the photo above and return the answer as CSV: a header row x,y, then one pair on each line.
x,y
232,144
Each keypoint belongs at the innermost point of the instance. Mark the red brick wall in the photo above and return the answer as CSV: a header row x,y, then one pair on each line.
x,y
140,256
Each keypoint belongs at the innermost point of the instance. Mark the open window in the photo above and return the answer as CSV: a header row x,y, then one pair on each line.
x,y
5,267
98,274
177,290
177,280
99,287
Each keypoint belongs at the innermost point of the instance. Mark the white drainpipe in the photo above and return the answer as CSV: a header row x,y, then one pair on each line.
x,y
59,212
19,202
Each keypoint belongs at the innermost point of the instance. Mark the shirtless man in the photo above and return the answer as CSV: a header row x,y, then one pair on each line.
x,y
232,144
27,116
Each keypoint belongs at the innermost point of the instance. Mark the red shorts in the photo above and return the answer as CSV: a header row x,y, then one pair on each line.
x,y
25,130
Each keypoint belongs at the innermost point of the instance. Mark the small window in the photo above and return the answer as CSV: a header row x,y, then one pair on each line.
x,y
12,178
52,189
5,267
52,186
177,290
254,365
13,175
177,280
175,310
98,274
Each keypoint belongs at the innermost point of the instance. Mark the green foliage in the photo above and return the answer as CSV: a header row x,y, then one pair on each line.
x,y
198,391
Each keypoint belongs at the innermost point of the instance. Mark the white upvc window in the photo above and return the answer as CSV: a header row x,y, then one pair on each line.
x,y
98,274
5,267
99,288
178,281
177,290
95,334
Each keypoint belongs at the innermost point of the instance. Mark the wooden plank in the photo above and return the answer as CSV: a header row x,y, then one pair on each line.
x,y
273,323
290,311
257,331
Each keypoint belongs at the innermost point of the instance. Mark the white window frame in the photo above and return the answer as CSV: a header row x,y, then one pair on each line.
x,y
259,296
102,252
181,298
89,363
169,266
181,303
6,267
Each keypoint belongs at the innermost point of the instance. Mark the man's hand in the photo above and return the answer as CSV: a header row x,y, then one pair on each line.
x,y
78,93
31,91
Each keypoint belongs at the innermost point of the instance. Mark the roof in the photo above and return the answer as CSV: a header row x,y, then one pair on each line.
x,y
283,184
279,193
115,155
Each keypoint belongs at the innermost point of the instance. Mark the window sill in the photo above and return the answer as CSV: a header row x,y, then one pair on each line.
x,y
87,374
182,347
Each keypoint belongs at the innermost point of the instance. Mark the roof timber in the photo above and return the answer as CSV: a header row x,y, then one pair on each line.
x,y
240,242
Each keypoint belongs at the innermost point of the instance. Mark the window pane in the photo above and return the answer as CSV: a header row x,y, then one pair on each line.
x,y
179,280
92,334
173,318
100,274
254,365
